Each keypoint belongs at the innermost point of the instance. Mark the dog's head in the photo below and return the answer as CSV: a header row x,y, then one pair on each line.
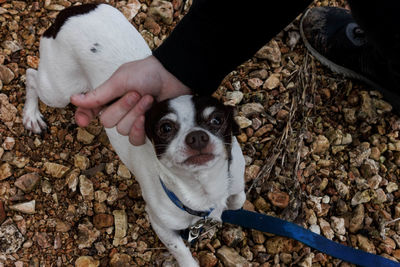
x,y
191,132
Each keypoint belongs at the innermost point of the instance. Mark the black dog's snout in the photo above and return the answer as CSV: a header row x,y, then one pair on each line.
x,y
197,140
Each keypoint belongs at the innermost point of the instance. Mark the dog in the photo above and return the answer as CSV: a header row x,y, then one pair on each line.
x,y
191,167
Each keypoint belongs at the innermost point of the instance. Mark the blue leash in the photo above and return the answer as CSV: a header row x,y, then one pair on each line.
x,y
269,224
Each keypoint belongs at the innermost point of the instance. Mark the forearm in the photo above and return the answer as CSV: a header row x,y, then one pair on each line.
x,y
218,35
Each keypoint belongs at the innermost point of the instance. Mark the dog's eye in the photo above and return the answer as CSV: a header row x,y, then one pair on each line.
x,y
217,120
165,128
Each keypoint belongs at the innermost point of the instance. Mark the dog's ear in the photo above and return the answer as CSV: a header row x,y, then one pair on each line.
x,y
234,126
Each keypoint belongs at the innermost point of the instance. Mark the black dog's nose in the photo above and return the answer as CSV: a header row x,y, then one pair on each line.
x,y
197,139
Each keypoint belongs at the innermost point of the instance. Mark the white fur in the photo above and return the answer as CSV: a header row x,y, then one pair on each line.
x,y
67,66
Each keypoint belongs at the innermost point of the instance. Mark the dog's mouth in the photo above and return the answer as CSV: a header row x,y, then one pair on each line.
x,y
199,159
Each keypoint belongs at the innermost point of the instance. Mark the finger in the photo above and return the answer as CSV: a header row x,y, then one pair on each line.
x,y
112,88
125,124
114,113
83,116
137,135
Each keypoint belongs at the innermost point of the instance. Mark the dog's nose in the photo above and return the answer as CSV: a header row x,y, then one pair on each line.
x,y
197,139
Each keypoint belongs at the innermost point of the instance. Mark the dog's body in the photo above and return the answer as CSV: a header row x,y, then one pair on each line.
x,y
191,150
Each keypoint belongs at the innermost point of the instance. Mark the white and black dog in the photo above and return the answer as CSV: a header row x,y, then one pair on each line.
x,y
191,165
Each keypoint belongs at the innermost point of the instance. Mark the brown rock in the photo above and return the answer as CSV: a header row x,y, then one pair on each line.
x,y
366,244
230,258
27,182
251,172
8,111
6,75
32,61
55,170
84,136
207,259
232,236
42,239
120,260
254,83
280,244
103,220
161,10
86,261
5,171
151,25
3,214
279,199
8,143
396,254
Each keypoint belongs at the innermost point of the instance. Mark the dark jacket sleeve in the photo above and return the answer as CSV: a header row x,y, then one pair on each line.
x,y
216,36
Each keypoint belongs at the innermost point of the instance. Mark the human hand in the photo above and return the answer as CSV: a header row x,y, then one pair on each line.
x,y
136,83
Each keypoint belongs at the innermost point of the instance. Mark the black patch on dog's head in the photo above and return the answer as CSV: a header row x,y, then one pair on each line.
x,y
156,130
64,15
220,121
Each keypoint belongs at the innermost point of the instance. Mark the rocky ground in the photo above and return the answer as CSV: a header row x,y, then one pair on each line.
x,y
321,150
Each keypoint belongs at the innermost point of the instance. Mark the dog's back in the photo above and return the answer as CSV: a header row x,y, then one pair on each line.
x,y
88,43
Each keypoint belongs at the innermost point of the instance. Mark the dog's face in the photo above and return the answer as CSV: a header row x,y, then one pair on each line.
x,y
190,132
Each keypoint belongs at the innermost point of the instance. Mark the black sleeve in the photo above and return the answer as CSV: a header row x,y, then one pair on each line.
x,y
216,36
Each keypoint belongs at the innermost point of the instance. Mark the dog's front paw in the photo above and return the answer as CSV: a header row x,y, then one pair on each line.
x,y
33,121
236,201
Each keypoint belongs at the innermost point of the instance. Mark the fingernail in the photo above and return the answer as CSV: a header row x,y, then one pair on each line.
x,y
78,97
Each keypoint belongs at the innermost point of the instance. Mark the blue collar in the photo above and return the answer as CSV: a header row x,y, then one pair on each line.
x,y
180,205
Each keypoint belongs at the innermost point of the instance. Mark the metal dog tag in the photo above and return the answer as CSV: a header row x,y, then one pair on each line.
x,y
201,227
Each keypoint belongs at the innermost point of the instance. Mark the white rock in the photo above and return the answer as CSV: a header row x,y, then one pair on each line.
x,y
25,207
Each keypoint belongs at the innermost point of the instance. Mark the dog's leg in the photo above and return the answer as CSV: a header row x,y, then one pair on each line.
x,y
32,118
172,240
236,201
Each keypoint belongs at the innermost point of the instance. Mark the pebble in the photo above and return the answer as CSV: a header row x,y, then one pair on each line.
x,y
86,261
251,109
279,199
3,214
357,219
341,188
251,172
32,61
307,261
315,229
230,258
232,236
255,83
55,170
46,187
260,74
8,112
365,244
87,234
10,239
6,75
84,136
362,197
121,226
103,220
243,122
81,162
131,9
392,187
100,196
8,143
62,226
72,179
207,259
326,228
320,145
120,260
124,172
233,98
86,188
272,82
161,10
5,171
337,225
27,182
42,239
271,51
280,244
25,207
